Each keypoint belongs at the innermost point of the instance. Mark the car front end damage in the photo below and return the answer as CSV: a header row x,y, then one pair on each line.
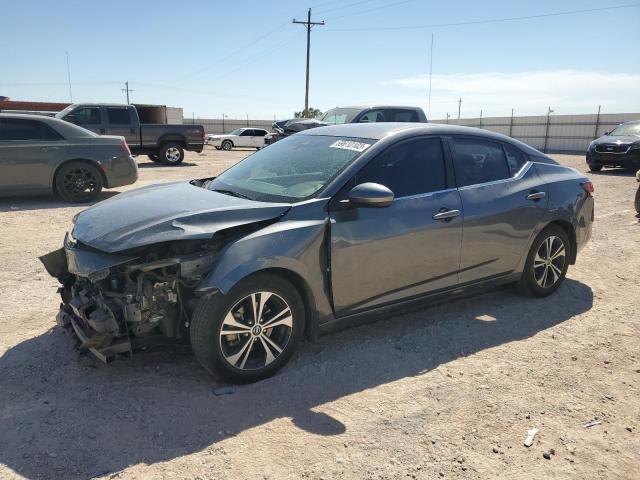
x,y
117,303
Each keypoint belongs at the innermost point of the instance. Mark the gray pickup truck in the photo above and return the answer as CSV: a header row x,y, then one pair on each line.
x,y
161,142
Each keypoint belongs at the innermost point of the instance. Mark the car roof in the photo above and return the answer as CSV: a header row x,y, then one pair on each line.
x,y
380,130
367,107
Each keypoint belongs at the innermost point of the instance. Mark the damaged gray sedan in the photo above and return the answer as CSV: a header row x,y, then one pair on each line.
x,y
315,233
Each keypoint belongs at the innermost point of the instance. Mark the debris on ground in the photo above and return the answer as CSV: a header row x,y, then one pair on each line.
x,y
592,423
531,434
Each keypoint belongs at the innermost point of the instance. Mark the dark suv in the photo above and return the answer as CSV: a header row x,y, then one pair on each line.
x,y
618,148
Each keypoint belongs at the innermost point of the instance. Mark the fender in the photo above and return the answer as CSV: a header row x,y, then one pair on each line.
x,y
295,244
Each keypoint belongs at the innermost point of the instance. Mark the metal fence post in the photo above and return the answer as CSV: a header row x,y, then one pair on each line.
x,y
511,124
546,133
595,133
480,125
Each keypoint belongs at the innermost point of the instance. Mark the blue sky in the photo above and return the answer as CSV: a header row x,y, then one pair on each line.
x,y
246,58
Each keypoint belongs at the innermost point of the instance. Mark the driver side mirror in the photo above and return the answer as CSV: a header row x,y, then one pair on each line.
x,y
370,195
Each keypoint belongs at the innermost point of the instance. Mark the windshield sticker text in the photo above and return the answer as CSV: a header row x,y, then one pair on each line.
x,y
350,145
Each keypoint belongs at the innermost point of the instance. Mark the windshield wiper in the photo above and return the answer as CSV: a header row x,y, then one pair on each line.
x,y
232,193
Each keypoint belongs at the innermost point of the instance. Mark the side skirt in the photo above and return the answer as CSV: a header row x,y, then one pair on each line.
x,y
332,324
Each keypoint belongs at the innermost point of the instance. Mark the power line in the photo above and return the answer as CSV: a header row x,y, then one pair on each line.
x,y
494,20
127,90
362,12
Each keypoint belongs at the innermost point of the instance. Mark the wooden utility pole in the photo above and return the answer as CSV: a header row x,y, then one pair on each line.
x,y
308,24
126,89
459,106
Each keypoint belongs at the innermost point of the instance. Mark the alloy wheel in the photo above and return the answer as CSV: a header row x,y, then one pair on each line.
x,y
255,331
80,182
549,262
172,155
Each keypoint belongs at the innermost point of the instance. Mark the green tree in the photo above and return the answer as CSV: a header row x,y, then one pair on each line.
x,y
311,113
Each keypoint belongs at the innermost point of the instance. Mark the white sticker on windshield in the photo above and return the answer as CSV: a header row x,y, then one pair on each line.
x,y
350,145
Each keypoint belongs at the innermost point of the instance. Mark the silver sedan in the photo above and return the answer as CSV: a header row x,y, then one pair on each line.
x,y
40,154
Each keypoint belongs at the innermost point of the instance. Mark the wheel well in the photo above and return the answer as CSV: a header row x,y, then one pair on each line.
x,y
301,285
571,233
228,140
179,140
81,160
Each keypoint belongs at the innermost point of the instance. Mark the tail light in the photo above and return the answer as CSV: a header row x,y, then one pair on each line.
x,y
125,147
202,133
587,187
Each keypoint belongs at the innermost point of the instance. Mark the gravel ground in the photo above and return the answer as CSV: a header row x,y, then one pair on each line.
x,y
446,392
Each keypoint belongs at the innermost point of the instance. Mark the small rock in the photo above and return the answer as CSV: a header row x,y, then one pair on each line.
x,y
608,396
460,459
441,474
574,358
495,450
224,390
547,455
629,429
552,451
607,362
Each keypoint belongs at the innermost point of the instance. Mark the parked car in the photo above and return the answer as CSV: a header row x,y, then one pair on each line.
x,y
40,154
240,137
160,142
340,115
617,148
314,233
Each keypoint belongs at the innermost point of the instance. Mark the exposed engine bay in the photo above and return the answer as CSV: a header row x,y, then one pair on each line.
x,y
116,303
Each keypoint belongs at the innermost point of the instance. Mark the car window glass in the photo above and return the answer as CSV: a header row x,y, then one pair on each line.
x,y
118,116
401,116
247,133
260,133
478,161
411,168
85,116
372,116
23,129
515,158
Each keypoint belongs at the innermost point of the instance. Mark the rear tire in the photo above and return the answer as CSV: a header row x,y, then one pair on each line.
x,y
595,168
78,182
637,201
227,145
171,153
154,157
231,344
547,263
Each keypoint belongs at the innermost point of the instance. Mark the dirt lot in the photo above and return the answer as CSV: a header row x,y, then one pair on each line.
x,y
446,392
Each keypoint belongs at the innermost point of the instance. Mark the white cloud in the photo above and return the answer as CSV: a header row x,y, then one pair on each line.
x,y
529,93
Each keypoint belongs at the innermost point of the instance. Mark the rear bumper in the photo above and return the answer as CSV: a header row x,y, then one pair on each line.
x,y
631,159
122,171
195,147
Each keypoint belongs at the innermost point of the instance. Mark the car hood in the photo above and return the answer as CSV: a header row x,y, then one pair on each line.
x,y
623,139
166,212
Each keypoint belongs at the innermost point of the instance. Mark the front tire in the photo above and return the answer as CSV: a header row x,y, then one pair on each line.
x,y
637,201
251,332
227,145
172,153
595,168
547,262
78,182
154,157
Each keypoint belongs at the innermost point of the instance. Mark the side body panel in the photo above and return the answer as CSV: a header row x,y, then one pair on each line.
x,y
381,255
27,165
499,222
296,243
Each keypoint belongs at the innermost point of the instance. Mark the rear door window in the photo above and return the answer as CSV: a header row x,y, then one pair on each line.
x,y
478,161
118,116
410,168
25,129
247,133
515,158
401,115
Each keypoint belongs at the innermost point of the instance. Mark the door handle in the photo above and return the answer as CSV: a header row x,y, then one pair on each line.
x,y
48,149
446,215
536,196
